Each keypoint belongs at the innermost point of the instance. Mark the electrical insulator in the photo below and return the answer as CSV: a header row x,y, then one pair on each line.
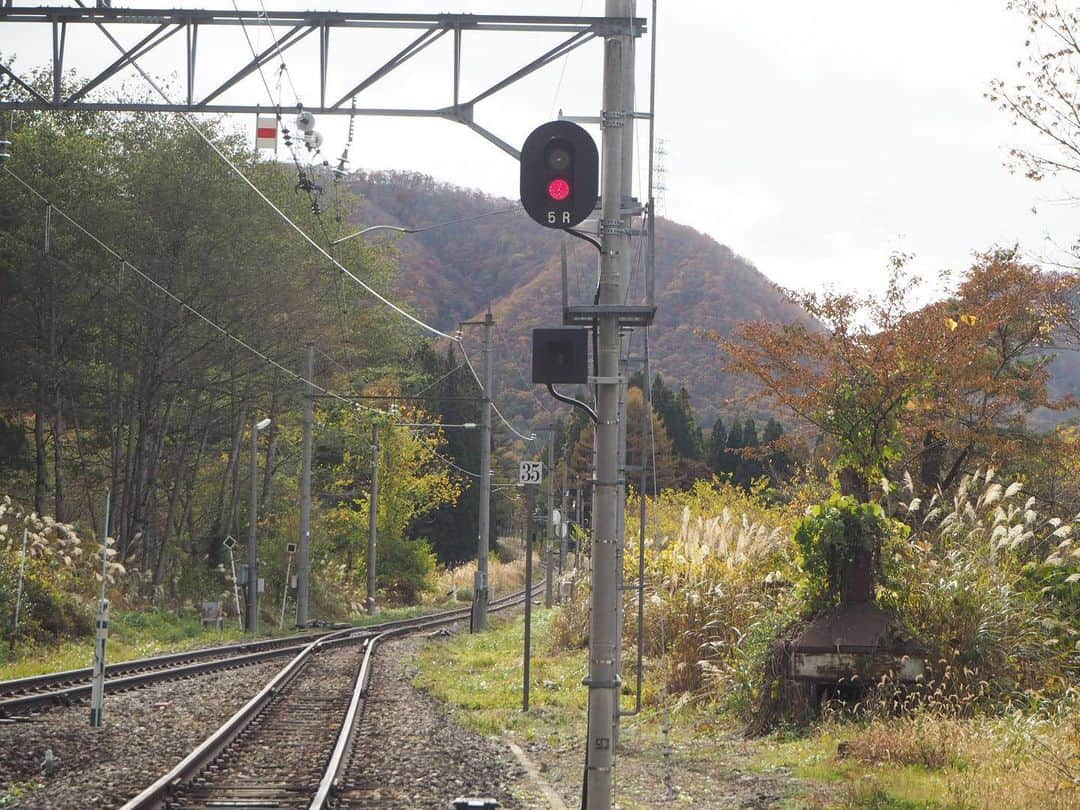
x,y
305,121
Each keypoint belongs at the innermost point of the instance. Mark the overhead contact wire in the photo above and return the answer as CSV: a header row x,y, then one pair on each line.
x,y
258,192
174,297
491,401
304,235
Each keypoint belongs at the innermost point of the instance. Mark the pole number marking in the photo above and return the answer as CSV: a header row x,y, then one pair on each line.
x,y
530,472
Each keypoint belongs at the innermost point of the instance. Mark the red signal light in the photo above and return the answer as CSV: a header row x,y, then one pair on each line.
x,y
558,189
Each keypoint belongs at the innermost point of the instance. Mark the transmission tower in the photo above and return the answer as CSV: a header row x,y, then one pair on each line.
x,y
660,174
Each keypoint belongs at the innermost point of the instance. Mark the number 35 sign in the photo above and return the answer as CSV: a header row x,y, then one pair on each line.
x,y
530,472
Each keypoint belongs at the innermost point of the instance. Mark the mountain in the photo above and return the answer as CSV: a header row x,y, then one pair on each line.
x,y
505,260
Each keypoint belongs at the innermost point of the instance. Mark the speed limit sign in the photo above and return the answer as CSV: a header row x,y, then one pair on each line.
x,y
530,472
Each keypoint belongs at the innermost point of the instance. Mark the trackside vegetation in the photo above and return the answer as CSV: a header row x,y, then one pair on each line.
x,y
996,723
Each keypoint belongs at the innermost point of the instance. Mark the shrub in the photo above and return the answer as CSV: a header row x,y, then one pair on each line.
x,y
60,581
403,567
828,539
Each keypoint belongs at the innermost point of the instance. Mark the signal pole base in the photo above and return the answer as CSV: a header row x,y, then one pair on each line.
x,y
478,621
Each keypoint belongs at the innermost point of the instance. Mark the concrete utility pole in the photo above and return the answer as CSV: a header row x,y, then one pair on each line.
x,y
373,520
303,565
253,521
617,157
480,585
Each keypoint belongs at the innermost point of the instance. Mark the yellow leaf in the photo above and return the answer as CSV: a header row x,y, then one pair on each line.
x,y
968,319
949,322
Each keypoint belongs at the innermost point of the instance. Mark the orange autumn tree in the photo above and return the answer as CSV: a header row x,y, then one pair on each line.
x,y
941,387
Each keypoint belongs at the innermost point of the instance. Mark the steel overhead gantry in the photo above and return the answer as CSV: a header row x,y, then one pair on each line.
x,y
294,27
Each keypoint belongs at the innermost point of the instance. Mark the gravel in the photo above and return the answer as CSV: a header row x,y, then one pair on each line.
x,y
146,732
410,754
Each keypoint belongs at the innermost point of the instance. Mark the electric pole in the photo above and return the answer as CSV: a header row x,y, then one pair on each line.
x,y
615,231
303,566
480,585
373,519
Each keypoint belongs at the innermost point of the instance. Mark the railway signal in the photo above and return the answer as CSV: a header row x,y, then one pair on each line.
x,y
560,174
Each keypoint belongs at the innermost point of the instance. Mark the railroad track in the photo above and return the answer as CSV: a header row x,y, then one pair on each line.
x,y
63,688
289,746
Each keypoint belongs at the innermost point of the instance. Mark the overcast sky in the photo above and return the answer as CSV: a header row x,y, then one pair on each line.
x,y
812,138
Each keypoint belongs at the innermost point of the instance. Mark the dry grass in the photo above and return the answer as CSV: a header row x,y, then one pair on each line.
x,y
504,577
958,583
930,742
1021,761
717,569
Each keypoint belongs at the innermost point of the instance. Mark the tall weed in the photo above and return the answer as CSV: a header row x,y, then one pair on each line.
x,y
61,576
961,583
718,570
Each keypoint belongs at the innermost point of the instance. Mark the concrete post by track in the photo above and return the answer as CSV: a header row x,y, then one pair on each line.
x,y
549,541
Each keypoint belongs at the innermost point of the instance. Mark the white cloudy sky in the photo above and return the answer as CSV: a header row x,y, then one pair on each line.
x,y
813,138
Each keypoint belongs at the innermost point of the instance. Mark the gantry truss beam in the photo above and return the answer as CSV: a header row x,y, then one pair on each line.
x,y
290,28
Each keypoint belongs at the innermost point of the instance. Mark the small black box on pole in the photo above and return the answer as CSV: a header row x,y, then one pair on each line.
x,y
560,355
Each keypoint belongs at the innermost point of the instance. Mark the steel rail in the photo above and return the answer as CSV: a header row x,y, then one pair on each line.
x,y
69,694
348,729
67,677
158,793
23,694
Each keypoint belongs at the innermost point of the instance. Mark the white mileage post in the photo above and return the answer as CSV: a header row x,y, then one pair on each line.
x,y
530,472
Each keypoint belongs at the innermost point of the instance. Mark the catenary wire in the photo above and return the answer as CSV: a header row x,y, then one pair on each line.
x,y
277,48
491,401
303,234
429,386
562,71
258,192
303,182
173,296
420,229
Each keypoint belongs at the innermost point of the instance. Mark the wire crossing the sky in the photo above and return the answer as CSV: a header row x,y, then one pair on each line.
x,y
303,234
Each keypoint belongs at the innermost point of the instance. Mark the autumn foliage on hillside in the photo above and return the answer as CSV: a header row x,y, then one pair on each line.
x,y
938,388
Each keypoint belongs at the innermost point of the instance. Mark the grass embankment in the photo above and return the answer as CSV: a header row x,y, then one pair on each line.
x,y
908,763
149,631
132,634
142,633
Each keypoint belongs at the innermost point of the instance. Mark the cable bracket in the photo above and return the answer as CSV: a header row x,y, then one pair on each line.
x,y
615,684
